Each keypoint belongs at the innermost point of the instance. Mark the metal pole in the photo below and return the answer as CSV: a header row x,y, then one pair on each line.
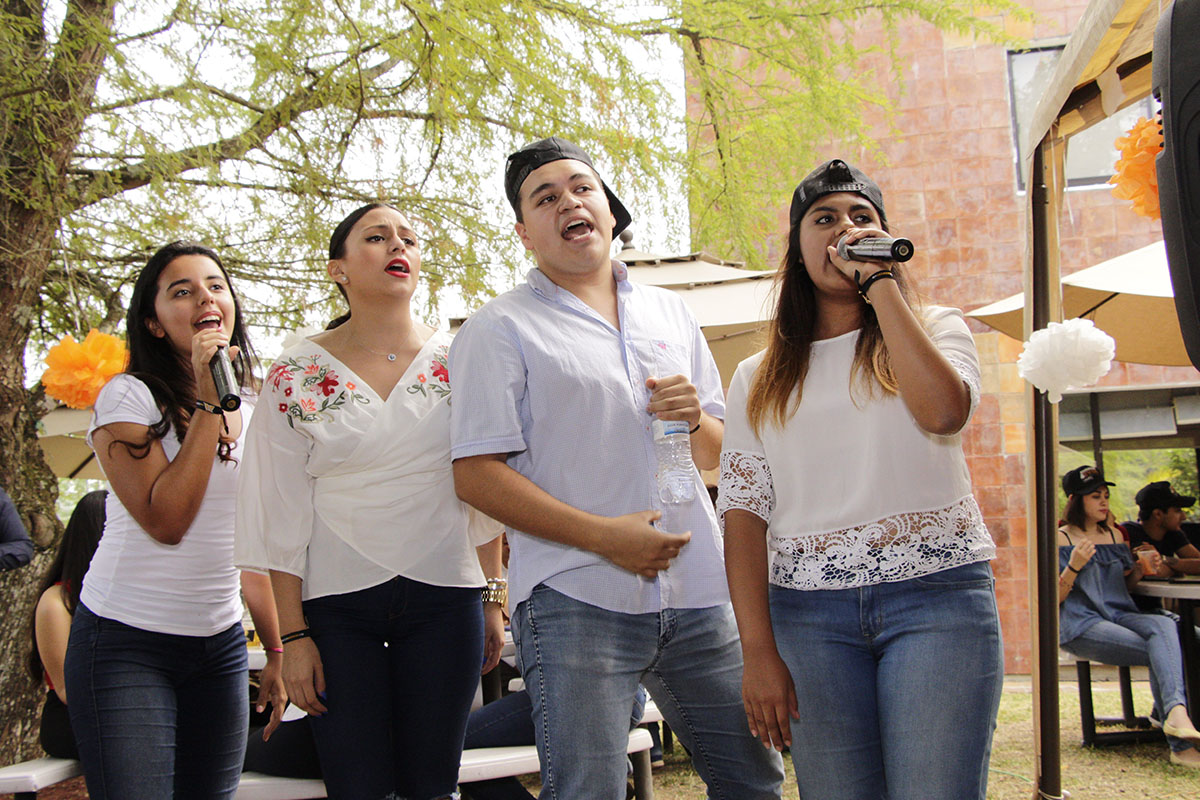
x,y
1097,443
1050,772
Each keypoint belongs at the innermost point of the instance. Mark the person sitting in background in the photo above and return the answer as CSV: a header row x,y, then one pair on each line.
x,y
1159,527
58,596
1097,618
15,546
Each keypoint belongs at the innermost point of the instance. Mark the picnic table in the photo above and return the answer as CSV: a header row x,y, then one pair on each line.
x,y
1186,590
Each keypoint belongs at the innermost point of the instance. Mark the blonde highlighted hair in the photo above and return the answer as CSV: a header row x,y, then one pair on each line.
x,y
778,383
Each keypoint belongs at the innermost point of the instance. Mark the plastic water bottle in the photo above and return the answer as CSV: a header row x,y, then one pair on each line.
x,y
673,447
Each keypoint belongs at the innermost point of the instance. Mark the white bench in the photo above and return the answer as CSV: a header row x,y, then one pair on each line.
x,y
24,780
479,764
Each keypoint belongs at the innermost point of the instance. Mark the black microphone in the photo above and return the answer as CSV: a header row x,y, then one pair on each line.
x,y
223,379
876,249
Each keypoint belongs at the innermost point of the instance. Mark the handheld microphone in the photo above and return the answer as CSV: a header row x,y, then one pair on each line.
x,y
223,379
876,249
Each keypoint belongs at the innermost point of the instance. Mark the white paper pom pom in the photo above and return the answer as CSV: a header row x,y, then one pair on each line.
x,y
1066,355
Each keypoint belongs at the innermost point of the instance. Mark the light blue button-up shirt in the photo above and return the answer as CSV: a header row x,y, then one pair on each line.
x,y
540,375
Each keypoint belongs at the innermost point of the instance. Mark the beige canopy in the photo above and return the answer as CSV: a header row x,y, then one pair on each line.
x,y
61,434
1105,66
1128,297
731,304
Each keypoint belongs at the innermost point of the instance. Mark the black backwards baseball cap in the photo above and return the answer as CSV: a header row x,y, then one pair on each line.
x,y
834,175
542,152
1083,480
1160,495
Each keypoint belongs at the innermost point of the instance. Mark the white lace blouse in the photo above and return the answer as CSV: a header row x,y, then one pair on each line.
x,y
854,493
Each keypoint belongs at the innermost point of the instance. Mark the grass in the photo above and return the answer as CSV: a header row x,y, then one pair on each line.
x,y
1107,773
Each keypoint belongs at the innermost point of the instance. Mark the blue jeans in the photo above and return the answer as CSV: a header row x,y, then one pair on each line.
x,y
1140,640
898,686
505,723
582,666
401,660
157,715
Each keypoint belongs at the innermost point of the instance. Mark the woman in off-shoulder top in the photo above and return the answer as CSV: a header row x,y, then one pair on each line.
x,y
1098,619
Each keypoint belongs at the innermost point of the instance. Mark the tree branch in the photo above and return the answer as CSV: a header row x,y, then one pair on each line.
x,y
102,185
171,92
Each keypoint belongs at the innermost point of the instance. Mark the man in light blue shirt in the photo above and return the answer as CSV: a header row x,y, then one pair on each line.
x,y
556,384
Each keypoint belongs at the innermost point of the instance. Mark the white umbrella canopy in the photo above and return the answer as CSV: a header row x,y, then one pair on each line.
x,y
1128,297
61,434
731,304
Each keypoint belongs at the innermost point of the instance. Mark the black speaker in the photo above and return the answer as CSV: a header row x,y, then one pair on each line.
x,y
1176,83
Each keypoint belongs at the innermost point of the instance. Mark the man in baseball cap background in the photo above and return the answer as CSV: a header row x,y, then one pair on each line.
x,y
1160,521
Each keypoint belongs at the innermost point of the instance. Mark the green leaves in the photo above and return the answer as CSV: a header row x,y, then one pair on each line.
x,y
256,126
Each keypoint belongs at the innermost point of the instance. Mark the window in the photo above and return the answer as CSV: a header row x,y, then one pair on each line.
x,y
1091,153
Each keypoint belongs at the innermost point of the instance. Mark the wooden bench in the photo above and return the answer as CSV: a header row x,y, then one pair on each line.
x,y
477,765
24,780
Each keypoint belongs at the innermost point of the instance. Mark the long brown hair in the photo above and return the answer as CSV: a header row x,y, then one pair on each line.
x,y
75,550
779,380
154,361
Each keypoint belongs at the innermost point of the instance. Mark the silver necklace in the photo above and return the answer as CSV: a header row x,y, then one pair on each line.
x,y
388,356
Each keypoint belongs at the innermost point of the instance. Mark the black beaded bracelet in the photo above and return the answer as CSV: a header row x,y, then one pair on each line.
x,y
204,405
303,633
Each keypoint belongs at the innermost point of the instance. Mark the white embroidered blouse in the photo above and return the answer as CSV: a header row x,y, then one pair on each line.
x,y
854,493
347,490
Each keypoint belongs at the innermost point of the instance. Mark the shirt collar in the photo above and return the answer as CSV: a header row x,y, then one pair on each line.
x,y
542,285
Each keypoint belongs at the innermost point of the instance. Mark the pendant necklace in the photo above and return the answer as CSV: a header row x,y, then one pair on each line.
x,y
388,356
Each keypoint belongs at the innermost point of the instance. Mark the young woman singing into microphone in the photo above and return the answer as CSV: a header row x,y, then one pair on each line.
x,y
842,455
156,660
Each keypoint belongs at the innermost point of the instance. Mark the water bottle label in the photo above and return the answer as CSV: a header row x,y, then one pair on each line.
x,y
667,427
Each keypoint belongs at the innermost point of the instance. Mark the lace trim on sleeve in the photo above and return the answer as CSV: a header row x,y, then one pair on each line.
x,y
970,374
745,484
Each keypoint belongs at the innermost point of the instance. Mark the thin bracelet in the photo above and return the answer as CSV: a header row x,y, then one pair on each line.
x,y
1072,569
693,430
883,274
204,405
273,649
303,633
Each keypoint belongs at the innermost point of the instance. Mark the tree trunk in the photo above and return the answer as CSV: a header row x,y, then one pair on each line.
x,y
51,90
33,489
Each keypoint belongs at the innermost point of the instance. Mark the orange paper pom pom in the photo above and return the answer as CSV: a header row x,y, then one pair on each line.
x,y
1137,178
77,371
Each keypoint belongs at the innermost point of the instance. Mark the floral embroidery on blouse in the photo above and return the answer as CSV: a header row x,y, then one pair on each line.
x,y
437,380
319,388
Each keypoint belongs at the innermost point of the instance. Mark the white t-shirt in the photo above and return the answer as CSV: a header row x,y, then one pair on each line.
x,y
853,491
190,588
